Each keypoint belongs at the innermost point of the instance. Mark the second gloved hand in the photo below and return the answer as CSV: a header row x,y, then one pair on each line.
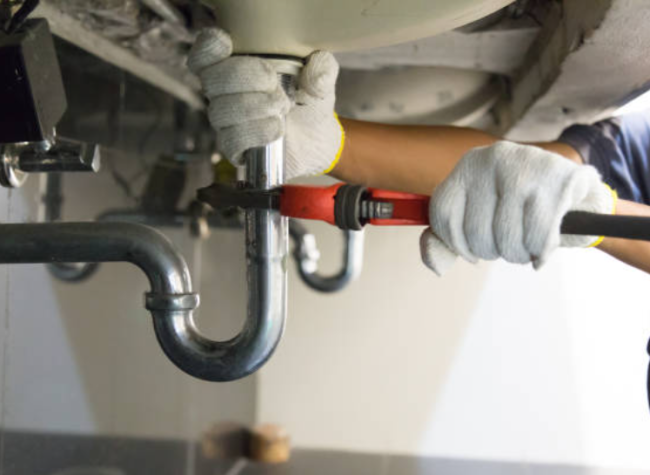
x,y
507,201
248,107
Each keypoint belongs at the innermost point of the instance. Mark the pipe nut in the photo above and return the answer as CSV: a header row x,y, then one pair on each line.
x,y
171,302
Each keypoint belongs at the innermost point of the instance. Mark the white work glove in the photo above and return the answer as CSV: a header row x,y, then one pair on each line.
x,y
248,106
508,200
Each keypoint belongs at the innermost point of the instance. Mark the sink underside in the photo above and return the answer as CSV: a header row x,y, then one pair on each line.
x,y
298,27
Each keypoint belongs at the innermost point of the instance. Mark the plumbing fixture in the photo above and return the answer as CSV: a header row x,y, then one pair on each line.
x,y
61,155
200,220
306,255
171,299
53,201
195,217
299,27
266,254
33,101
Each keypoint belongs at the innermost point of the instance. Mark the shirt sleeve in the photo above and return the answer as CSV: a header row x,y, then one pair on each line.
x,y
619,148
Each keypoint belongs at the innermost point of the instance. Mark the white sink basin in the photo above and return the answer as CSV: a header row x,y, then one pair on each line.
x,y
298,27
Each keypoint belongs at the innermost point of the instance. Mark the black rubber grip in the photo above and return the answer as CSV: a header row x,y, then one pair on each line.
x,y
593,224
347,204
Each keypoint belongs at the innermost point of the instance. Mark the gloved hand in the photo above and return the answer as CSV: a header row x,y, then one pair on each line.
x,y
248,106
508,200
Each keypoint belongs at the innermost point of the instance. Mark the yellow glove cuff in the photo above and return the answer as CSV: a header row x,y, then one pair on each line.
x,y
337,158
598,241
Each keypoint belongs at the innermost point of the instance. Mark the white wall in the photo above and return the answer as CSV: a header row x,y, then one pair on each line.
x,y
492,362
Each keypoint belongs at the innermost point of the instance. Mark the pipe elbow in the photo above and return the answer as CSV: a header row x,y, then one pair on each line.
x,y
171,300
306,255
203,358
172,303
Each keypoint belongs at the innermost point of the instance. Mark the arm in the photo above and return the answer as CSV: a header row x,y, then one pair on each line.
x,y
416,159
413,159
249,109
634,253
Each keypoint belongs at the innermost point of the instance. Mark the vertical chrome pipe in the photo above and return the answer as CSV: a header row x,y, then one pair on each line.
x,y
267,236
306,255
267,241
266,255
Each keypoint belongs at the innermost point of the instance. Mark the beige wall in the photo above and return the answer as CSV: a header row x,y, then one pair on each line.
x,y
494,361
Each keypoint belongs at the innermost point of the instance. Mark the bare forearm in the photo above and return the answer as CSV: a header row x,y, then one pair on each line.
x,y
416,159
413,159
634,253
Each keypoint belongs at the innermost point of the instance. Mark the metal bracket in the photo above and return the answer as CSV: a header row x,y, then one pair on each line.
x,y
62,155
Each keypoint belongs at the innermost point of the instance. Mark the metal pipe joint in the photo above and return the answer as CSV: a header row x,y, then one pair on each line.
x,y
59,155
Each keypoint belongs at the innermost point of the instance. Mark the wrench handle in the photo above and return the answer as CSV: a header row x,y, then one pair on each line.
x,y
594,224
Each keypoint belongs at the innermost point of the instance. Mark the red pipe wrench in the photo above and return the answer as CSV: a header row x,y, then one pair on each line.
x,y
351,207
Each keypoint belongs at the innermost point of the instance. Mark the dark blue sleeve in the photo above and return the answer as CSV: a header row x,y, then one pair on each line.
x,y
620,149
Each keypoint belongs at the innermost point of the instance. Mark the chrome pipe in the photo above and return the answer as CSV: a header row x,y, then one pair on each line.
x,y
171,301
307,255
142,246
267,236
266,254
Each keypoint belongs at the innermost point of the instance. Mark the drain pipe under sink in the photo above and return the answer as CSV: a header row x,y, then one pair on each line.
x,y
171,300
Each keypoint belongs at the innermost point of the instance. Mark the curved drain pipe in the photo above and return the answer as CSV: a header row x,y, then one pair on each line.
x,y
267,237
171,300
266,258
306,255
266,261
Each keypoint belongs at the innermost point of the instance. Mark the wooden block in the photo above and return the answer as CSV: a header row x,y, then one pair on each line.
x,y
269,444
